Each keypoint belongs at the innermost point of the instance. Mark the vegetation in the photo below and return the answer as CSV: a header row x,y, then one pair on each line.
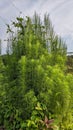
x,y
70,64
36,92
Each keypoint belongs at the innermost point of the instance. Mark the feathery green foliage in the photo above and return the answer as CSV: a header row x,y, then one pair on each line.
x,y
34,72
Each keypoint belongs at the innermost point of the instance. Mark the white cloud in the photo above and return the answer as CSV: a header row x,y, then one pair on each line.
x,y
61,13
63,18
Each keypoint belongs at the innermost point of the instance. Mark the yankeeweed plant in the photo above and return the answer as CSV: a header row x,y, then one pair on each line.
x,y
34,85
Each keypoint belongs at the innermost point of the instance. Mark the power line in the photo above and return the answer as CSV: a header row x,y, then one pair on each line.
x,y
12,2
4,20
58,6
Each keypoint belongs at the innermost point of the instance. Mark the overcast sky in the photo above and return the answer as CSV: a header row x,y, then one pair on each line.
x,y
60,12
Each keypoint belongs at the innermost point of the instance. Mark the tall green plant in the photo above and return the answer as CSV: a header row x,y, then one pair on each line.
x,y
35,72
